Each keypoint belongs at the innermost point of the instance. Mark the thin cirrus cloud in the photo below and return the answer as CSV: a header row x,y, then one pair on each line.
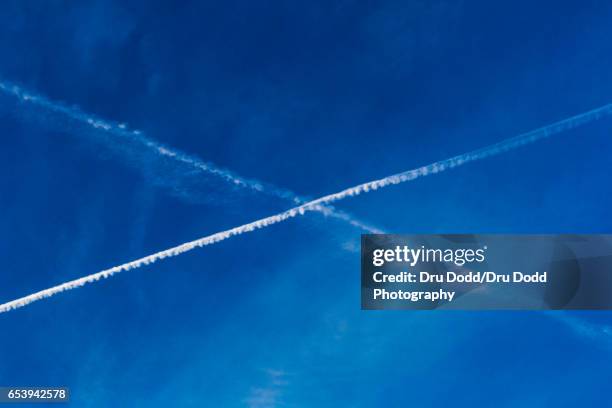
x,y
320,203
582,327
192,162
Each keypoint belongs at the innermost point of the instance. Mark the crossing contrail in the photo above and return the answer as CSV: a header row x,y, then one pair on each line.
x,y
583,327
316,205
121,130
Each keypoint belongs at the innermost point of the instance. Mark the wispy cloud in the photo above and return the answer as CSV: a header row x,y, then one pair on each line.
x,y
269,395
318,204
583,327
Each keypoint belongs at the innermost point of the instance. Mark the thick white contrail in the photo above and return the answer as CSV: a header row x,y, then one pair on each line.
x,y
315,205
121,130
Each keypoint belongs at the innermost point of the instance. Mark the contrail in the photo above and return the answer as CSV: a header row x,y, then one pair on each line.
x,y
316,205
121,130
583,327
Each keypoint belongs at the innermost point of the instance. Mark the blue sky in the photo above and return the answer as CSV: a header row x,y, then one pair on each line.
x,y
312,97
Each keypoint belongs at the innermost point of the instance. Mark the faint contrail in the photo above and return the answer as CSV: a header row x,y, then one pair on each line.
x,y
121,130
583,327
315,205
